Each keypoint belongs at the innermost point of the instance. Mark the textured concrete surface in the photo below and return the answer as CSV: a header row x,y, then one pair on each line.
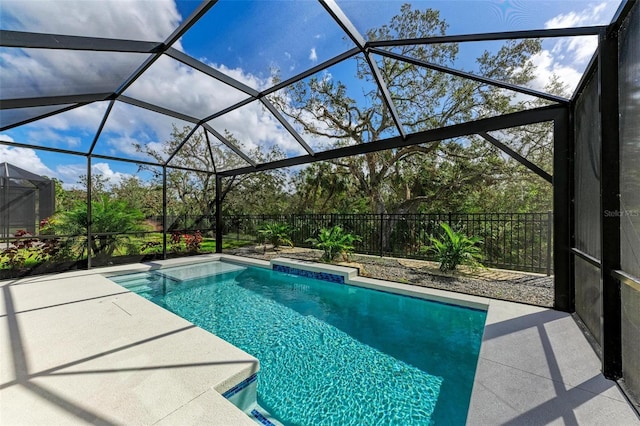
x,y
77,349
537,368
80,349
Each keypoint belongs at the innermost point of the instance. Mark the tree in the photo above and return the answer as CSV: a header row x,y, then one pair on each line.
x,y
424,99
323,188
143,196
193,193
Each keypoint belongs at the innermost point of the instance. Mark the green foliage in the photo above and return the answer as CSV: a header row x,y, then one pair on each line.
x,y
108,216
455,249
334,241
276,234
447,175
27,250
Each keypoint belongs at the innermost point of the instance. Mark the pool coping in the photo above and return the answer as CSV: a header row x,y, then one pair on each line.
x,y
535,365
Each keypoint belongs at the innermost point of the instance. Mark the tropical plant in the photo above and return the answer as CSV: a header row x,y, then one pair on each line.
x,y
108,219
276,234
455,249
334,241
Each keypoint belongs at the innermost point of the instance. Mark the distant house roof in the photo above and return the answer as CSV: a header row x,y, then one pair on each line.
x,y
13,172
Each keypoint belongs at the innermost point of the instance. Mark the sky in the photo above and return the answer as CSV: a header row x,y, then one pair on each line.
x,y
244,39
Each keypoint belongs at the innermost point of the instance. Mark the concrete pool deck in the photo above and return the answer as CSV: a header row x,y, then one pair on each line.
x,y
79,349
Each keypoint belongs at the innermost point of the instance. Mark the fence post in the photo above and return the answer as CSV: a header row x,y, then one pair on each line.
x,y
381,234
549,227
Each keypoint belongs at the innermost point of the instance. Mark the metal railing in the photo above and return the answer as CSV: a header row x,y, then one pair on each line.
x,y
516,241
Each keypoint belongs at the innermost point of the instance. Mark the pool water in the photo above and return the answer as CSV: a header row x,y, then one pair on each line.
x,y
331,353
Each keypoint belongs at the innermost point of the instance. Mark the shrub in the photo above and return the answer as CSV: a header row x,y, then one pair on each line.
x,y
108,217
193,242
334,241
455,249
276,234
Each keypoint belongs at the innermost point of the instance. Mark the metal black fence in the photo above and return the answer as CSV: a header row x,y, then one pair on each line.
x,y
516,241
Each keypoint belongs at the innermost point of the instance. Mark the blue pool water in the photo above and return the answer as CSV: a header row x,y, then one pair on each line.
x,y
331,353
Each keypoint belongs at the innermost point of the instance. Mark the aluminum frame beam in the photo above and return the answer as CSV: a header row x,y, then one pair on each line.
x,y
54,100
516,156
210,71
228,144
29,40
345,23
469,76
494,36
105,117
516,119
175,36
160,110
563,175
40,117
287,126
610,256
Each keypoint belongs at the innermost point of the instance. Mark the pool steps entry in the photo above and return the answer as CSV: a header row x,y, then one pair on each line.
x,y
244,394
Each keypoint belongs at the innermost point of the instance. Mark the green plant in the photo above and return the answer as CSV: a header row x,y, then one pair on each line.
x,y
334,241
276,234
108,219
455,249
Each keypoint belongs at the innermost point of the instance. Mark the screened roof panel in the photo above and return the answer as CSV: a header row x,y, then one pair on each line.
x,y
225,159
252,40
501,61
445,99
252,45
534,142
195,154
175,86
139,134
30,73
329,107
124,177
150,20
9,117
72,130
470,17
257,133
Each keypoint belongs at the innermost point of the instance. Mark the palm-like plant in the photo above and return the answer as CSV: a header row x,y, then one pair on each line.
x,y
334,241
108,217
276,234
455,249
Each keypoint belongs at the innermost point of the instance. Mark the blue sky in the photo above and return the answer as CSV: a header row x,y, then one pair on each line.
x,y
245,39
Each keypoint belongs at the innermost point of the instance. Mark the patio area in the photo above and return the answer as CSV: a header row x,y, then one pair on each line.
x,y
82,350
445,132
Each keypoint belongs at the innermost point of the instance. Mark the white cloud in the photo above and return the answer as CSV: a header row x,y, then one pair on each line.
x,y
126,19
547,66
24,158
592,15
167,83
313,56
69,174
567,57
113,178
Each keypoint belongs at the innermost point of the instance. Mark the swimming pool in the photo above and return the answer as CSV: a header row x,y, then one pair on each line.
x,y
330,353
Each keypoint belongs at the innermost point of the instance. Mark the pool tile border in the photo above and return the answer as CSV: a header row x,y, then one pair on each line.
x,y
261,418
324,276
240,386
